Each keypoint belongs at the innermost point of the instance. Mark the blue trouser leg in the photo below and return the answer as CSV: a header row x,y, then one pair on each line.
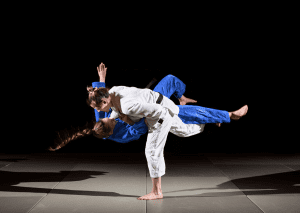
x,y
190,114
170,85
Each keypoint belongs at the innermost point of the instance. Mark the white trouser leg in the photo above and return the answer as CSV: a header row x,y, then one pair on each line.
x,y
156,140
185,130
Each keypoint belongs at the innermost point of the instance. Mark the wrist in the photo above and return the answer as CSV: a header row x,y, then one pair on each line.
x,y
102,78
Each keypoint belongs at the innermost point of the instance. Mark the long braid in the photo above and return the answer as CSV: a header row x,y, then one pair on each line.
x,y
65,136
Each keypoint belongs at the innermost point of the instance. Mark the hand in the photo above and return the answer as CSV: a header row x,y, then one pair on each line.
x,y
126,119
146,122
102,72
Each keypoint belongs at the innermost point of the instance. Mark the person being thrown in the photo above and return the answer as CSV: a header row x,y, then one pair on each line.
x,y
162,117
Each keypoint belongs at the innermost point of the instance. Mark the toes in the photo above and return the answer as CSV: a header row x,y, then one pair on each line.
x,y
150,197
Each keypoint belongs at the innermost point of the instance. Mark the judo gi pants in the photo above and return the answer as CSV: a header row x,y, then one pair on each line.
x,y
156,140
190,114
190,121
157,137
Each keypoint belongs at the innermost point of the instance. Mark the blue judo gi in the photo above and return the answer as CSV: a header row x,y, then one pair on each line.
x,y
189,114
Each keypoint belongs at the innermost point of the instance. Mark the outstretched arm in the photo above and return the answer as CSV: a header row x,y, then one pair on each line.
x,y
102,75
102,72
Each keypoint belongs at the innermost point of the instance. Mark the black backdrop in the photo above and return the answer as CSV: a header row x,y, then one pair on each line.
x,y
215,81
223,69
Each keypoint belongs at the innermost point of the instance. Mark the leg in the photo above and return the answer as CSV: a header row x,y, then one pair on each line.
x,y
236,115
181,129
203,115
156,140
191,114
156,192
170,85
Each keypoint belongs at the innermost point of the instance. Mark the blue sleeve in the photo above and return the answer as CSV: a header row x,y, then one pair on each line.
x,y
124,133
98,114
139,127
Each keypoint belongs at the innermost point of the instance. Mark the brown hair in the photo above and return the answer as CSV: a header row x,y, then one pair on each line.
x,y
93,127
96,94
101,131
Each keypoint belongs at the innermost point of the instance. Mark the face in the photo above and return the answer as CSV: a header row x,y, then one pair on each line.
x,y
110,123
104,106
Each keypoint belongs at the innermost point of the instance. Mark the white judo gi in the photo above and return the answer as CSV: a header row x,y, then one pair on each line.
x,y
138,103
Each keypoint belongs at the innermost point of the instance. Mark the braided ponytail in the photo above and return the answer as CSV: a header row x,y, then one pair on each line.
x,y
65,136
96,128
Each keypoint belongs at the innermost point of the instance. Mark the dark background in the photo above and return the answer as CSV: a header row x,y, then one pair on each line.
x,y
221,80
219,89
225,63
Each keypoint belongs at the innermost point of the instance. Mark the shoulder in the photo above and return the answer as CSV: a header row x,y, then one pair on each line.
x,y
116,90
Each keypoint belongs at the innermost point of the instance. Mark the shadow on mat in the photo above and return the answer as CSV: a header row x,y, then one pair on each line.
x,y
282,183
273,184
10,179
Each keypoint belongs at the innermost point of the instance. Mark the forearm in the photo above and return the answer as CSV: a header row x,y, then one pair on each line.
x,y
140,126
102,79
126,119
138,129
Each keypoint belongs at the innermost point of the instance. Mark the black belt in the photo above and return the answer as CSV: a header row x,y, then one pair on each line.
x,y
160,98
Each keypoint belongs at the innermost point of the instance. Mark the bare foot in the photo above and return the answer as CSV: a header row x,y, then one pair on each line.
x,y
152,196
239,113
184,100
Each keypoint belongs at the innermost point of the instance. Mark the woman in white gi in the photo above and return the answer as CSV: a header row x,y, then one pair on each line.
x,y
161,114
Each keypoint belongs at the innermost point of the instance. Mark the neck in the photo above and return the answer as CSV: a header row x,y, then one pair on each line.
x,y
115,102
112,99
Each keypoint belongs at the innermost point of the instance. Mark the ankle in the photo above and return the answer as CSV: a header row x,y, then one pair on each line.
x,y
156,189
181,98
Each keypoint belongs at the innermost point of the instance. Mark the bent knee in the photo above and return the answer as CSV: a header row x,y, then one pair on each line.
x,y
169,76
